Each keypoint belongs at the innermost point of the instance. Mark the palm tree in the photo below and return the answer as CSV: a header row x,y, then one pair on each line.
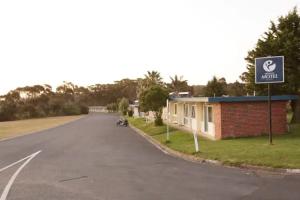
x,y
153,78
178,84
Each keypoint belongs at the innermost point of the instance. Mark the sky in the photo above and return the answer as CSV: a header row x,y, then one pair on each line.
x,y
93,41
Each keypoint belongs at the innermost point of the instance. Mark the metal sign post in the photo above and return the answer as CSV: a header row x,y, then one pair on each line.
x,y
270,114
269,70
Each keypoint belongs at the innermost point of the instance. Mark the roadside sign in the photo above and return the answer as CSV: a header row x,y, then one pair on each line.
x,y
269,69
168,117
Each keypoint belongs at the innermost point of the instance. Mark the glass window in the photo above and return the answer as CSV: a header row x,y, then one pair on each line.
x,y
193,114
210,114
186,110
175,109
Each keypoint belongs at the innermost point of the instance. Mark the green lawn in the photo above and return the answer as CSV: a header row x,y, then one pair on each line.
x,y
285,153
21,127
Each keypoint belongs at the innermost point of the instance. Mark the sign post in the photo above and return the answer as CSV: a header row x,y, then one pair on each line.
x,y
168,113
195,137
196,141
269,70
270,114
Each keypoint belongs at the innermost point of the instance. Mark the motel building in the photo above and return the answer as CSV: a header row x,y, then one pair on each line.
x,y
224,117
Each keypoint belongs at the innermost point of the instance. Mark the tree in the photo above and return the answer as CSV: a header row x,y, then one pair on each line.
x,y
153,78
236,89
154,99
215,87
282,38
9,107
178,84
127,88
123,106
150,79
198,90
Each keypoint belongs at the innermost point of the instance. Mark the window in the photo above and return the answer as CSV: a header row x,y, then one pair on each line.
x,y
193,114
175,109
186,110
210,117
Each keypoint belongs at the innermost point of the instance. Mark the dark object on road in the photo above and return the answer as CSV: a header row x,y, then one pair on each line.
x,y
122,122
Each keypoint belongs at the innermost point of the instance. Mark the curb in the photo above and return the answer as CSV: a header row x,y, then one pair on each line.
x,y
199,160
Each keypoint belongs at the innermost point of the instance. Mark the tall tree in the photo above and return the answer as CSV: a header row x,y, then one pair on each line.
x,y
236,89
150,79
127,88
178,84
215,87
282,38
153,78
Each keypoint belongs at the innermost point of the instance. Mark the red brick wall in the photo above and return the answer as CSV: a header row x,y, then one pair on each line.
x,y
240,119
217,120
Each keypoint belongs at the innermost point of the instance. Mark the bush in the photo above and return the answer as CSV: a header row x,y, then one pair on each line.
x,y
130,113
123,106
84,109
71,109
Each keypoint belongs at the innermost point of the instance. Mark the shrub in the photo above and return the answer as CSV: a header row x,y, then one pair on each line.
x,y
130,113
84,109
123,106
158,121
71,109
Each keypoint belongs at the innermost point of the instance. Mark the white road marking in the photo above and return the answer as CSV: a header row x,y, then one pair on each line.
x,y
11,165
14,176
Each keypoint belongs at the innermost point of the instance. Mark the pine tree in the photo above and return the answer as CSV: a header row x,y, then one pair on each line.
x,y
283,39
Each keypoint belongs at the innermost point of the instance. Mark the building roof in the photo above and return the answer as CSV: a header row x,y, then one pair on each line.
x,y
235,99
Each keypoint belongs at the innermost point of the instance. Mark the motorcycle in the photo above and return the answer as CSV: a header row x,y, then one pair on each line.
x,y
122,122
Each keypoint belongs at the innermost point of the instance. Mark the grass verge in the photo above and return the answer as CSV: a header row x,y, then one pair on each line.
x,y
21,127
285,153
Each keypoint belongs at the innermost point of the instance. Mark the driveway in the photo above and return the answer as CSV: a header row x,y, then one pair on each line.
x,y
91,159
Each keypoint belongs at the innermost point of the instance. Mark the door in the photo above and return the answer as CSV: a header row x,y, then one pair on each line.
x,y
209,126
205,119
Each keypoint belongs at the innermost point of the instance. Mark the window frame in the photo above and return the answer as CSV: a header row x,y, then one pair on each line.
x,y
193,111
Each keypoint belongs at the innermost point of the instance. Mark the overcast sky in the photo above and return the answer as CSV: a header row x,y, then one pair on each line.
x,y
90,42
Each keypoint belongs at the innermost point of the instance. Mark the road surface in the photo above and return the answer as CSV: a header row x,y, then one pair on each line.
x,y
91,159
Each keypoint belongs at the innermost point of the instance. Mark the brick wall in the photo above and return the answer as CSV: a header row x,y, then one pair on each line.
x,y
240,119
217,120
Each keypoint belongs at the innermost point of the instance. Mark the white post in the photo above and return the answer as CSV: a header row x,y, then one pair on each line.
x,y
196,141
168,134
195,135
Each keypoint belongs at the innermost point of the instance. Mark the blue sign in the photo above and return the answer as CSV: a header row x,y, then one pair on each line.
x,y
269,69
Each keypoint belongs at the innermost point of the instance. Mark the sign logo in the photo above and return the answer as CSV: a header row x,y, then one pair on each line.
x,y
269,69
269,66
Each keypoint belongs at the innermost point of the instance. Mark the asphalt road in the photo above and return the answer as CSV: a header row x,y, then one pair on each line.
x,y
91,159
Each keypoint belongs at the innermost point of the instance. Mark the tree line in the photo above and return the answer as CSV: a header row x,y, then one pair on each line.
x,y
282,38
67,99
